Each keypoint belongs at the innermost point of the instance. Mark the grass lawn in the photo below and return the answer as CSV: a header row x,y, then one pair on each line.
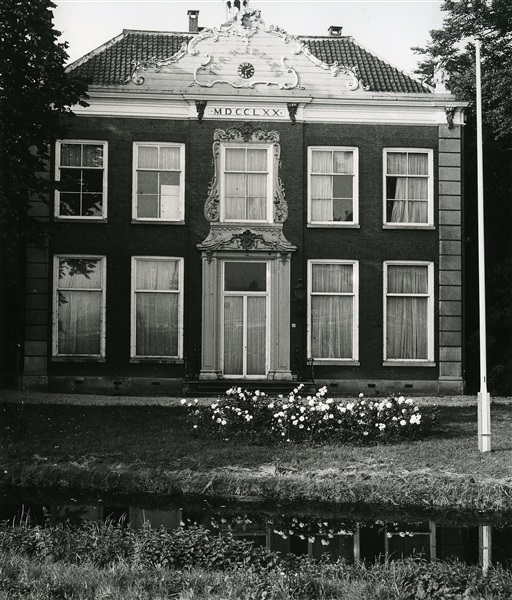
x,y
150,449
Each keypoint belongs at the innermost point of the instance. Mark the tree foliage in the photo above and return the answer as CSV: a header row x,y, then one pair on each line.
x,y
453,44
35,92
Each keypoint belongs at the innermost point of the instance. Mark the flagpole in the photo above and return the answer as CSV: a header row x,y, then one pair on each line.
x,y
484,398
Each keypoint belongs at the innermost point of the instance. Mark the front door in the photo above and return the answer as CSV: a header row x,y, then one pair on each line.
x,y
245,318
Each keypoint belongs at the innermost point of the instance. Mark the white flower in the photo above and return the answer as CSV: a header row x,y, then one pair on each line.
x,y
301,426
195,427
342,409
350,406
361,395
223,422
183,401
311,403
301,418
389,405
403,422
324,542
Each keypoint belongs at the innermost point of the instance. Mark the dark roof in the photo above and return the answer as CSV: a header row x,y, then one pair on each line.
x,y
111,63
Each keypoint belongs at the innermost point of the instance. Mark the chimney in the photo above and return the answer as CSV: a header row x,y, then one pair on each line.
x,y
335,30
193,21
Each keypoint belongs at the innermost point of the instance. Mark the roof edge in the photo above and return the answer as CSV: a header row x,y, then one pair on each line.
x,y
98,50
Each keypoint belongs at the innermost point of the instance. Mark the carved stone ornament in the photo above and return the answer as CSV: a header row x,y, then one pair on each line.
x,y
292,111
268,238
450,113
153,62
200,107
243,26
246,133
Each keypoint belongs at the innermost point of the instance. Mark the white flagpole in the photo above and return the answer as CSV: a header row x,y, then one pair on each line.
x,y
484,398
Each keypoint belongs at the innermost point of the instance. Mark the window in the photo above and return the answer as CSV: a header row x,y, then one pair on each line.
x,y
79,306
158,182
333,186
408,188
246,183
333,310
408,314
157,308
81,167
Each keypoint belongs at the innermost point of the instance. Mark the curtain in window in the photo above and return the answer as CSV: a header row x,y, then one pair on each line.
x,y
157,312
411,193
256,338
321,198
233,335
407,317
246,193
70,155
79,307
343,162
256,197
148,157
332,315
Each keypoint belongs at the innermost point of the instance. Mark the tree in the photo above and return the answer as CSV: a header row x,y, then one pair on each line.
x,y
453,45
35,93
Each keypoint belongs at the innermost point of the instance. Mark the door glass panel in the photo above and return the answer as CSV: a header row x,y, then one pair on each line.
x,y
256,338
245,277
233,335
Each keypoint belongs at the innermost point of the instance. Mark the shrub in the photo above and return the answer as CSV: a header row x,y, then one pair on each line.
x,y
316,418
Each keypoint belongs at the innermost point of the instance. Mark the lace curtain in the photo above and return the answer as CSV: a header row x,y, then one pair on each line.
x,y
156,308
410,196
246,184
407,316
79,307
332,314
323,192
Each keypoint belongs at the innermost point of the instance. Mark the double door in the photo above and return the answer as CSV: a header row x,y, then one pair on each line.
x,y
245,319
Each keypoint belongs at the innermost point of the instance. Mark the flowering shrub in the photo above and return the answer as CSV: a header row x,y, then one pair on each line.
x,y
315,418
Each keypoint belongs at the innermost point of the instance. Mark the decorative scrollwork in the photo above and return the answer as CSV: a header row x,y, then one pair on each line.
x,y
246,133
153,62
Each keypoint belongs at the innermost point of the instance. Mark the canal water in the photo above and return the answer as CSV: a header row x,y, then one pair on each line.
x,y
353,533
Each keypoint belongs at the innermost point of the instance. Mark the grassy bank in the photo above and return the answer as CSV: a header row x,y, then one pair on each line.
x,y
152,450
106,561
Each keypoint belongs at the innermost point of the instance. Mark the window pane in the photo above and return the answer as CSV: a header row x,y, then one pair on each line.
x,y
156,324
321,209
169,158
79,273
342,210
157,274
170,208
342,186
332,326
397,163
70,155
148,157
92,156
256,337
92,205
245,277
332,278
418,188
235,159
79,323
405,279
256,159
418,164
71,180
147,182
233,335
321,187
69,205
168,179
92,180
147,207
321,161
343,162
406,327
235,185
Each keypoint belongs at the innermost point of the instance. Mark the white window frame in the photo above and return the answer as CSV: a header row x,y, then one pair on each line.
x,y
429,361
270,180
136,146
354,360
133,329
430,188
55,322
58,167
355,217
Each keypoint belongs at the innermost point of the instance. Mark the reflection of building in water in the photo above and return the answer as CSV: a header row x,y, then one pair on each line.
x,y
305,535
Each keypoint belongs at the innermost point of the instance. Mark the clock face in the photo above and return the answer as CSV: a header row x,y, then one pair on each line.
x,y
246,70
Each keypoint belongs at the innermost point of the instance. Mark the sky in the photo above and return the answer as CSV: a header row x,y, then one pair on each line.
x,y
388,28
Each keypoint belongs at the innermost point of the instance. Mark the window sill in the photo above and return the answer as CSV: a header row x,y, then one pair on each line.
x,y
156,222
80,219
408,363
339,362
159,361
408,226
95,359
334,225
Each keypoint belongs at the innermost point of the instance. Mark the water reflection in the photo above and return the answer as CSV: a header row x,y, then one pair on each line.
x,y
352,537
